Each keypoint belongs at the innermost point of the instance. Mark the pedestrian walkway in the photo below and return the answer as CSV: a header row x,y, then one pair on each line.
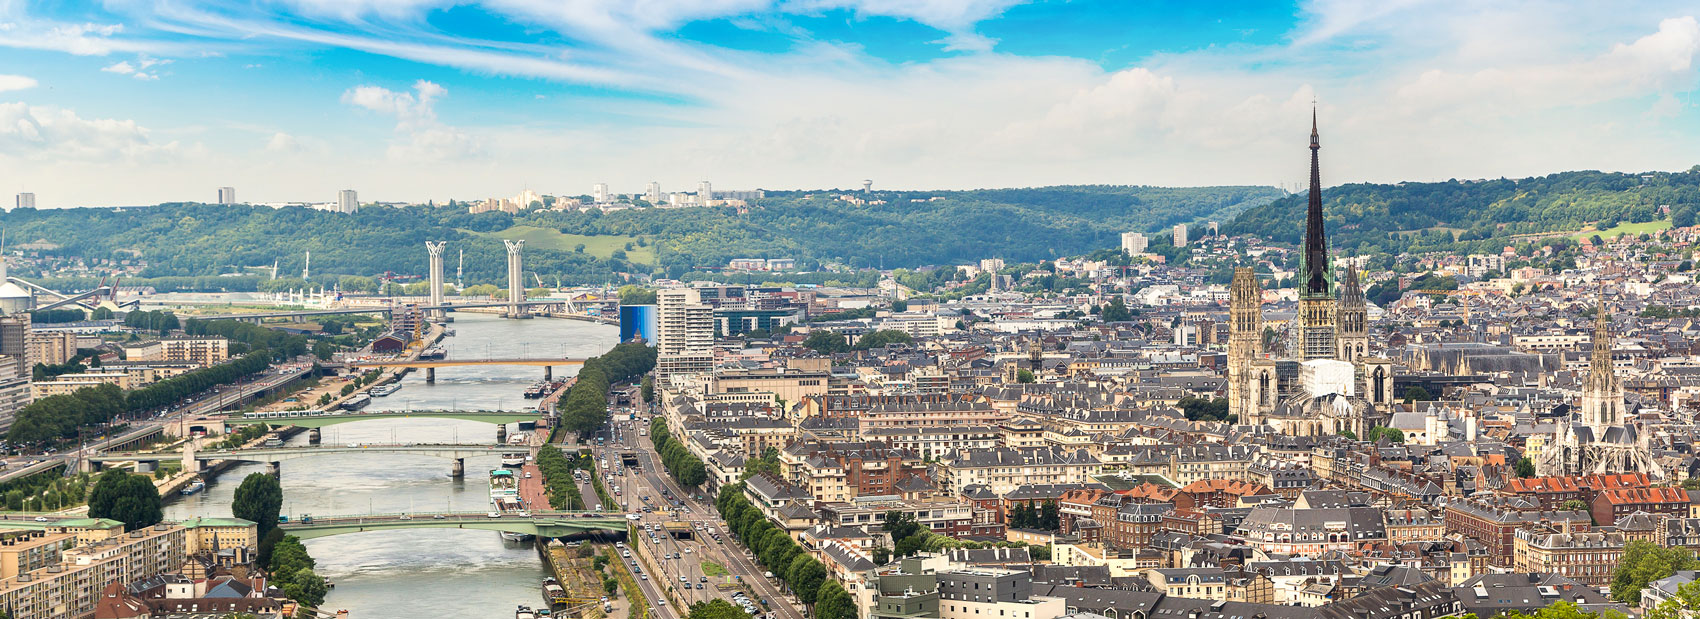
x,y
531,491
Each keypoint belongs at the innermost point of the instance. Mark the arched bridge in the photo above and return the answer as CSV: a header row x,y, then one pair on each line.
x,y
320,419
542,524
279,454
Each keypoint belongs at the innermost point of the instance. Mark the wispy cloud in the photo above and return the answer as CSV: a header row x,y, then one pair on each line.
x,y
16,82
419,135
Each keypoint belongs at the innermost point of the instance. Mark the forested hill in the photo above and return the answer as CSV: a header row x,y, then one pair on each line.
x,y
910,229
1476,215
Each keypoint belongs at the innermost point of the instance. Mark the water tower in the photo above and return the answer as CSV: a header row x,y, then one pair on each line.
x,y
867,185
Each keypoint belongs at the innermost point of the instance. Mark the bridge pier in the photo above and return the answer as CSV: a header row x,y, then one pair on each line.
x,y
548,373
146,466
430,375
275,469
314,436
88,466
459,469
501,433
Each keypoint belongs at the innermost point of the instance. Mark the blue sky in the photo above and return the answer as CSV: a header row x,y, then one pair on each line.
x,y
142,101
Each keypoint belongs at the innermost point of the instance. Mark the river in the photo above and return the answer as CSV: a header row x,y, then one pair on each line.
x,y
423,572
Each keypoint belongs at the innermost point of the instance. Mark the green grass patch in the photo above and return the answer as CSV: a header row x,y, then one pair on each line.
x,y
1646,227
601,246
713,570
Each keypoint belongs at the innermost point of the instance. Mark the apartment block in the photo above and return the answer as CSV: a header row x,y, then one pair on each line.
x,y
70,588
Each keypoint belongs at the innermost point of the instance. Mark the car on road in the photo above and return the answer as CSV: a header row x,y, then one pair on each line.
x,y
705,579
40,519
495,514
438,517
404,517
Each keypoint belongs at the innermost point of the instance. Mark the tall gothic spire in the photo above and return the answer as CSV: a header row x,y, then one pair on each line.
x,y
1319,278
1600,359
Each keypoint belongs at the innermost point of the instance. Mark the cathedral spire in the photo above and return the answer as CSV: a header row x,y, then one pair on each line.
x,y
1319,280
1600,359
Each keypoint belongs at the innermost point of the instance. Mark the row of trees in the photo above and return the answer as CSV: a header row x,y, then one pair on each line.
x,y
1044,516
558,482
826,341
153,320
62,416
806,576
282,344
909,538
585,407
685,466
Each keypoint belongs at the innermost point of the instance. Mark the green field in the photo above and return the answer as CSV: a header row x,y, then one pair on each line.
x,y
1646,227
599,246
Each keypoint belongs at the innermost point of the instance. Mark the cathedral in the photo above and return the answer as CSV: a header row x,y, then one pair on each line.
x,y
1331,384
1601,442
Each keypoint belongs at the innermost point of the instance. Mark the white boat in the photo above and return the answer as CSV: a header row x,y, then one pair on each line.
x,y
384,390
193,488
516,537
524,612
513,459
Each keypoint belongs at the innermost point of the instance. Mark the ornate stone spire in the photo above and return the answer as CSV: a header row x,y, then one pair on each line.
x,y
1602,395
1351,293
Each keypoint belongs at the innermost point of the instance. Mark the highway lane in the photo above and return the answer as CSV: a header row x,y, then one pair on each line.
x,y
211,401
728,554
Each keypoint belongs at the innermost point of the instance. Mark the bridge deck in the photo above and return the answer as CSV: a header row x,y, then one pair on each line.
x,y
311,419
444,363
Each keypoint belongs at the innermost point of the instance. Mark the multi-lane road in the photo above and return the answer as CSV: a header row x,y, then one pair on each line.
x,y
682,557
209,402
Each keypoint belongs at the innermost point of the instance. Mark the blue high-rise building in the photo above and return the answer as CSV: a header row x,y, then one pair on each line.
x,y
637,322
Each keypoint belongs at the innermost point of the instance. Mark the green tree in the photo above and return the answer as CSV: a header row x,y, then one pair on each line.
x,y
805,577
1574,505
130,499
1680,606
880,339
1116,311
259,498
1525,467
833,602
716,609
1025,375
1644,562
1393,435
307,587
648,389
1417,394
825,341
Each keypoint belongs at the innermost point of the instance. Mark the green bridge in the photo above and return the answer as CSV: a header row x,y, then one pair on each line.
x,y
320,419
550,524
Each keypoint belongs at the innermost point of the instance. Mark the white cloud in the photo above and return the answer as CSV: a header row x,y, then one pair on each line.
x,y
419,135
137,70
1409,90
53,134
281,142
16,82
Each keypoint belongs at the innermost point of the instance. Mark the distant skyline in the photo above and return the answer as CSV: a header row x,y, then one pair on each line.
x,y
144,101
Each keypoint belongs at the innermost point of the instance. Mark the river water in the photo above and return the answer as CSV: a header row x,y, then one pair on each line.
x,y
423,572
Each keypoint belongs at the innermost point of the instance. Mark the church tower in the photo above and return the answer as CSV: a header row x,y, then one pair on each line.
x,y
1602,393
1245,339
1317,322
1353,320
